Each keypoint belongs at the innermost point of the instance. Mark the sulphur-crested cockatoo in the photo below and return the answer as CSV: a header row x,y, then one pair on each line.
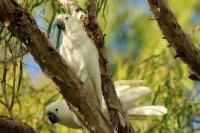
x,y
81,55
58,112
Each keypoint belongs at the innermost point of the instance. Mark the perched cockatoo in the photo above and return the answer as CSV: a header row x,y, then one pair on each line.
x,y
128,93
81,55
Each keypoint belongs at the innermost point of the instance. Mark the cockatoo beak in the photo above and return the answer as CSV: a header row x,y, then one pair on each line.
x,y
60,24
52,118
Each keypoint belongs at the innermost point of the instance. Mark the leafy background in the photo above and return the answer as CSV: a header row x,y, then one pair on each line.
x,y
135,50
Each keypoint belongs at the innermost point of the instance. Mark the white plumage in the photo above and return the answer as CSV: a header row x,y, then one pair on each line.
x,y
127,93
81,55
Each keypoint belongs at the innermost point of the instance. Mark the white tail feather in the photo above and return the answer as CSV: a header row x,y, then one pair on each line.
x,y
129,96
147,110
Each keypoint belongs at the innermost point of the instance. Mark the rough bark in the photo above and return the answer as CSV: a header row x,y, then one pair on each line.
x,y
8,125
21,25
176,37
117,115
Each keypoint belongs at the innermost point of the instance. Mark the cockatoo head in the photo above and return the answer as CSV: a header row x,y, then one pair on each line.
x,y
67,23
58,112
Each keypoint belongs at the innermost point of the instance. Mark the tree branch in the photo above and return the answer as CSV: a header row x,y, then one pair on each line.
x,y
21,25
8,125
117,115
176,37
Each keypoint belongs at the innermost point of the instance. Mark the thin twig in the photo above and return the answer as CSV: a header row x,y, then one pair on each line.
x,y
4,77
11,59
14,78
6,83
3,103
4,88
20,75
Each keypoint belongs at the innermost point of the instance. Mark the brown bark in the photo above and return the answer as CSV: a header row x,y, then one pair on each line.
x,y
118,118
176,37
21,25
8,125
117,115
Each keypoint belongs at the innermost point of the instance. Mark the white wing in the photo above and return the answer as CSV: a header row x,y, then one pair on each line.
x,y
94,75
93,80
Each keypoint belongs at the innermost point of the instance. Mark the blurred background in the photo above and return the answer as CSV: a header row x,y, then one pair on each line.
x,y
135,50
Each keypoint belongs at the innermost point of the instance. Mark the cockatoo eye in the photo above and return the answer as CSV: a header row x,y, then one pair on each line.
x,y
66,18
56,109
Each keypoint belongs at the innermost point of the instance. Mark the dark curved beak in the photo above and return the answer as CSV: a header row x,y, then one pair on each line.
x,y
52,118
60,24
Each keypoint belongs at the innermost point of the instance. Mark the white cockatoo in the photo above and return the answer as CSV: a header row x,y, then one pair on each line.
x,y
81,54
58,112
